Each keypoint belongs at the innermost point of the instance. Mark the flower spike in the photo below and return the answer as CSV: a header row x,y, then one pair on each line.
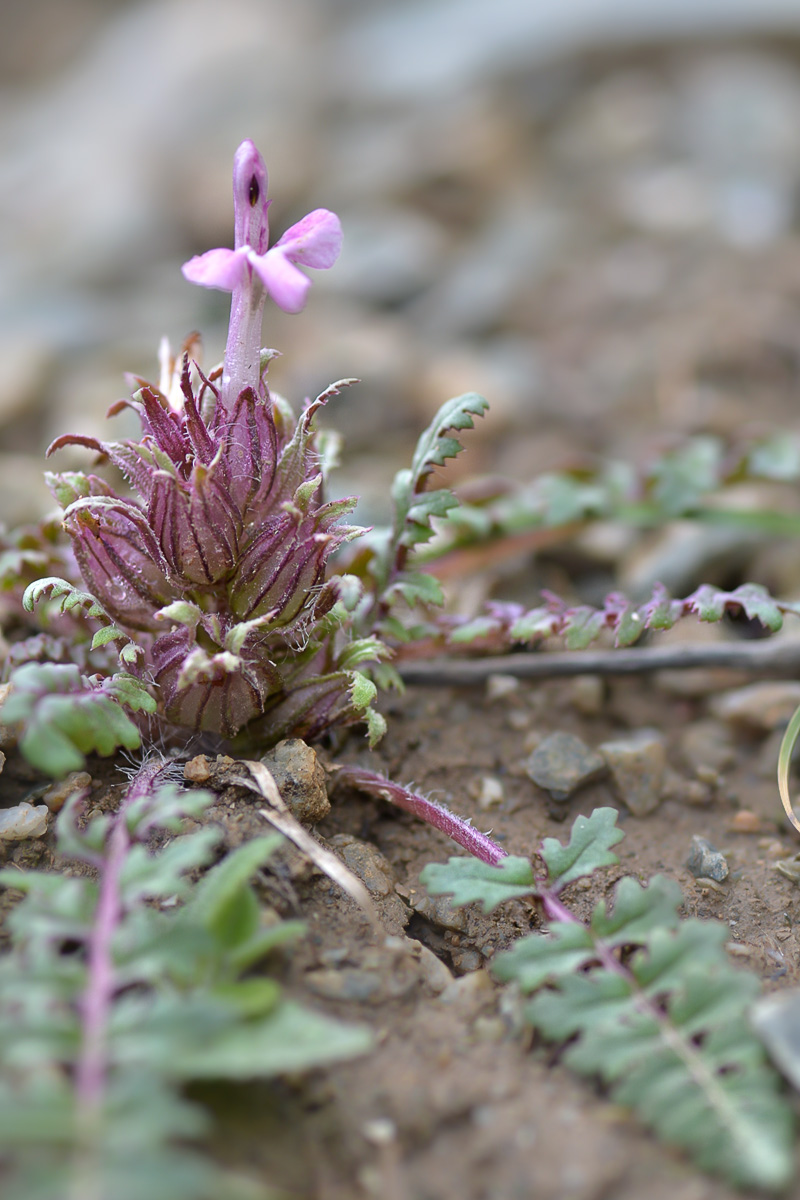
x,y
251,272
221,563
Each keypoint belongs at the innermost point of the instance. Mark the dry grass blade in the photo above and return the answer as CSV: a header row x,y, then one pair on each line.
x,y
784,765
281,819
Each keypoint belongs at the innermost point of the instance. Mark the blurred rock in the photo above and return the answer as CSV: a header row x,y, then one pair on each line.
x,y
637,764
57,796
761,706
776,1020
707,743
562,764
706,862
365,861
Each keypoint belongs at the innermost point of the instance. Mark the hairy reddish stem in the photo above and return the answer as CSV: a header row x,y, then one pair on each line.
x,y
92,1066
479,844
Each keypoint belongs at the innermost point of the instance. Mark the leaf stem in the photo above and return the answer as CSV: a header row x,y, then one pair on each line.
x,y
92,1066
460,830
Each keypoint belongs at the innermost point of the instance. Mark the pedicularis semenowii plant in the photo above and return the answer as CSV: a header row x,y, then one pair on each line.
x,y
217,581
215,576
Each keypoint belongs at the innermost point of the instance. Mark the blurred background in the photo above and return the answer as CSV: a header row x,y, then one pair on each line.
x,y
587,210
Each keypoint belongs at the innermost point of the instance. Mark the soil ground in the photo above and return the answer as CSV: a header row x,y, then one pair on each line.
x,y
455,1102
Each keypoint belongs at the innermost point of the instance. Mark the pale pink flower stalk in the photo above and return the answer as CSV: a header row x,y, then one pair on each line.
x,y
251,271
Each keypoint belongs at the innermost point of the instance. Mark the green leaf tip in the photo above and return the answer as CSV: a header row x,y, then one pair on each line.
x,y
589,847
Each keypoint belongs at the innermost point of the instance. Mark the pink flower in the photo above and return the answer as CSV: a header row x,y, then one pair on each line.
x,y
313,242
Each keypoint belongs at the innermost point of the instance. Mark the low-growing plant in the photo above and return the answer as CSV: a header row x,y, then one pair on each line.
x,y
219,598
228,598
127,976
642,1000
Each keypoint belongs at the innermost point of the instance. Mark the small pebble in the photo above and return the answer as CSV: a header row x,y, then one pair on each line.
x,y
562,764
789,868
637,765
433,971
466,961
439,911
366,862
705,861
707,744
197,769
697,793
499,686
9,734
300,778
488,792
776,1020
710,885
746,821
588,695
56,796
23,821
518,719
380,1131
709,775
762,706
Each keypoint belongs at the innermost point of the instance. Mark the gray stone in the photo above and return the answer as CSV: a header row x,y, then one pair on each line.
x,y
637,765
588,694
789,868
707,743
366,862
764,706
350,983
562,764
706,862
439,911
435,974
300,778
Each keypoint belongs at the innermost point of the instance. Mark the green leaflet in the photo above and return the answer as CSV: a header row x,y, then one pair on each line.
x,y
290,1039
470,881
665,1025
589,847
669,1034
534,960
67,716
683,476
181,1008
415,508
66,598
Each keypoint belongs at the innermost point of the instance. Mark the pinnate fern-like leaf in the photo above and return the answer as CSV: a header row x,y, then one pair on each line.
x,y
415,506
507,625
159,991
470,881
647,1002
67,715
